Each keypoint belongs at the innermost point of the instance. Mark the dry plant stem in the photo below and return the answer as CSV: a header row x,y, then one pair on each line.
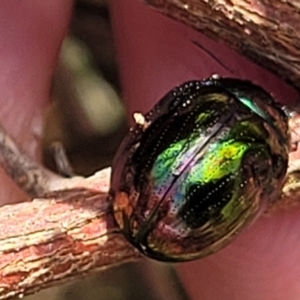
x,y
62,235
266,31
26,173
30,176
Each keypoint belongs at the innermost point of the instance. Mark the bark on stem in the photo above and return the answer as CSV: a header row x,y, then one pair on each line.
x,y
62,235
266,31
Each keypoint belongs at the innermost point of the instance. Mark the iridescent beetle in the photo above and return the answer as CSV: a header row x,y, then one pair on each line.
x,y
199,167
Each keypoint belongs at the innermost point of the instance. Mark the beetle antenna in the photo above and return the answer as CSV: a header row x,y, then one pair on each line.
x,y
213,56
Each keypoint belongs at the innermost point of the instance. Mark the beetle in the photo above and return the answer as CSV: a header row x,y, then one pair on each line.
x,y
199,167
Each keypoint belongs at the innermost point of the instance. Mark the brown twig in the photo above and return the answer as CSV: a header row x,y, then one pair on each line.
x,y
62,235
65,233
25,172
264,31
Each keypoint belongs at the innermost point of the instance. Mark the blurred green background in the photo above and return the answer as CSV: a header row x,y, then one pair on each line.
x,y
88,117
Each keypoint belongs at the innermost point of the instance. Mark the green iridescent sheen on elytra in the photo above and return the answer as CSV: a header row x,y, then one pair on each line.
x,y
209,158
